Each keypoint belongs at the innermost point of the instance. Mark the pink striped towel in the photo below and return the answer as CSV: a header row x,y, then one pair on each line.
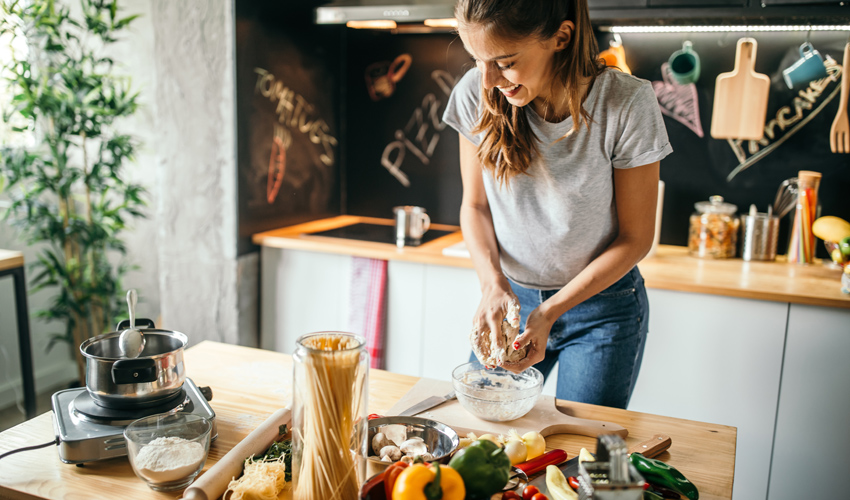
x,y
367,305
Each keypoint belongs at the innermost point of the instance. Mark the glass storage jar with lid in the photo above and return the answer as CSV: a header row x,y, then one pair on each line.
x,y
714,229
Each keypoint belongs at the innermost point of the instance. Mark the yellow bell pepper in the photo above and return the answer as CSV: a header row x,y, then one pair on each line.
x,y
434,482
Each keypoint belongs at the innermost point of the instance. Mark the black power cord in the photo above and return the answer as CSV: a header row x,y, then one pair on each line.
x,y
29,448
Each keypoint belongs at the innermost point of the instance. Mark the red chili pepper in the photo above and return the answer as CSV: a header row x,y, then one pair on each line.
x,y
537,464
573,481
375,415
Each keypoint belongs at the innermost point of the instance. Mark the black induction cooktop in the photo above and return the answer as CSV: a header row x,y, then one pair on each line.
x,y
378,233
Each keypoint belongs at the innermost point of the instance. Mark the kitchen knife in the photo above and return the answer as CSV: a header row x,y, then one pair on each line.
x,y
650,448
427,404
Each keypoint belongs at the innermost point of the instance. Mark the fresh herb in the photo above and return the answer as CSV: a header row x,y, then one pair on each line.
x,y
278,448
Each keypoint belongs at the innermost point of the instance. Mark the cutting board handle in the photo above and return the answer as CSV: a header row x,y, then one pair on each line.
x,y
585,427
653,446
745,55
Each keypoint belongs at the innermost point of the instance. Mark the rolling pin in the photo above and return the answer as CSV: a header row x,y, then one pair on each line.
x,y
213,483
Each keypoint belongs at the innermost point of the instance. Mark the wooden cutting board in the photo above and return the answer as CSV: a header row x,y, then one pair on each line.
x,y
544,418
740,97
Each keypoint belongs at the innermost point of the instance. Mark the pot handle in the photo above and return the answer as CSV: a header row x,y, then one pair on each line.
x,y
134,371
140,323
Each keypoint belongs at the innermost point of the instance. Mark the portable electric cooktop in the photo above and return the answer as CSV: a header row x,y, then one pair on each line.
x,y
89,432
378,233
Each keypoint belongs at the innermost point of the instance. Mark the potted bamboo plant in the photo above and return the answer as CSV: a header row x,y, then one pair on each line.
x,y
65,180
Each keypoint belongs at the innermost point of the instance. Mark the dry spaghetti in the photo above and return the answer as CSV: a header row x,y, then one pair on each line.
x,y
330,386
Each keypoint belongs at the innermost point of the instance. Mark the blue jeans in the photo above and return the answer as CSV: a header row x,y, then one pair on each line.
x,y
597,344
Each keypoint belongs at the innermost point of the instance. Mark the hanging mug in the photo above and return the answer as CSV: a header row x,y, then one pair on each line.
x,y
381,77
808,68
684,64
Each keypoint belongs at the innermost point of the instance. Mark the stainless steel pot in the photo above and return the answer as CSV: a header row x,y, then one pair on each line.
x,y
154,377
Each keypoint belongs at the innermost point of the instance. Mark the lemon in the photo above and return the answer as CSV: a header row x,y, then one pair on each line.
x,y
829,228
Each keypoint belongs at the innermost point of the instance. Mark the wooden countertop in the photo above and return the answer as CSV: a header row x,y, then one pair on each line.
x,y
249,384
670,269
10,259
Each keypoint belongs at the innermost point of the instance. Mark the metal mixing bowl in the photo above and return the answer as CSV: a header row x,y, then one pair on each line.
x,y
440,439
496,394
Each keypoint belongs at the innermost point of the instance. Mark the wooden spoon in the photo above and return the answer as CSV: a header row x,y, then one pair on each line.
x,y
839,135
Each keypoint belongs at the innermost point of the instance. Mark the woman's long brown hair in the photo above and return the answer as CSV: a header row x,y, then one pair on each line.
x,y
509,144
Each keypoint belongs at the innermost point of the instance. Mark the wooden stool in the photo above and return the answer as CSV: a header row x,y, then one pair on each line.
x,y
13,263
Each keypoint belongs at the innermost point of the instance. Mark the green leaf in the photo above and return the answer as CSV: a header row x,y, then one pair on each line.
x,y
72,94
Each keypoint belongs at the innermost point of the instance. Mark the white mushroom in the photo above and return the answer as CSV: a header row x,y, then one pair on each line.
x,y
408,459
414,446
391,451
379,441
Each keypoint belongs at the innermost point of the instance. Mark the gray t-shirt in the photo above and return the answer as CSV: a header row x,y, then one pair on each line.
x,y
552,223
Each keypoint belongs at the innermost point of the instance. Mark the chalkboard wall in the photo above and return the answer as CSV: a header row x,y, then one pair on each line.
x,y
398,150
698,168
287,84
368,134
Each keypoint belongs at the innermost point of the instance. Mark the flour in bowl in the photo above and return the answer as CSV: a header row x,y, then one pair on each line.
x,y
167,459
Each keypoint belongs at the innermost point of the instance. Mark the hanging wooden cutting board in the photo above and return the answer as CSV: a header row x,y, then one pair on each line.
x,y
740,97
544,418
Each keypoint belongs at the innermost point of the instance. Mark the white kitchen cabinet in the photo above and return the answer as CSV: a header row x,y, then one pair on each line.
x,y
405,297
429,308
451,297
810,456
301,292
717,359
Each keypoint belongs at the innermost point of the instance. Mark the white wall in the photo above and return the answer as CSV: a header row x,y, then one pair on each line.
x,y
180,56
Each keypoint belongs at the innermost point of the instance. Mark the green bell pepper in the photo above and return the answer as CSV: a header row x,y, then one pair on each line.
x,y
666,476
484,468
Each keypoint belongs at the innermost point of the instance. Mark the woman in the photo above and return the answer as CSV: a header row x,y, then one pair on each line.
x,y
559,161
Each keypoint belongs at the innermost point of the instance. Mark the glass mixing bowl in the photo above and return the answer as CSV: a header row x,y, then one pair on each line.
x,y
496,394
168,450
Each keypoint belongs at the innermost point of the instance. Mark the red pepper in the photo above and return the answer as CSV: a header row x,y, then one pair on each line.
x,y
372,483
573,481
374,415
391,473
537,464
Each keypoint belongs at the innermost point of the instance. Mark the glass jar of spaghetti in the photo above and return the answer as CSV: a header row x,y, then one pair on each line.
x,y
713,229
329,418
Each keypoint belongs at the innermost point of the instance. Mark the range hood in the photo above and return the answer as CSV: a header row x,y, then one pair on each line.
x,y
400,11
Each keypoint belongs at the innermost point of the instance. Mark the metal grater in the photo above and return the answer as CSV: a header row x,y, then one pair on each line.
x,y
611,476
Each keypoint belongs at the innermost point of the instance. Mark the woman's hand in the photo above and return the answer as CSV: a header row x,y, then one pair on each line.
x,y
492,310
535,337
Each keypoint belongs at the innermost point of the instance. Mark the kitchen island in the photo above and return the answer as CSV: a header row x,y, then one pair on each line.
x,y
249,384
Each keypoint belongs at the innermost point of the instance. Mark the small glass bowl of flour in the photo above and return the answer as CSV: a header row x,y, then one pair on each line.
x,y
168,450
